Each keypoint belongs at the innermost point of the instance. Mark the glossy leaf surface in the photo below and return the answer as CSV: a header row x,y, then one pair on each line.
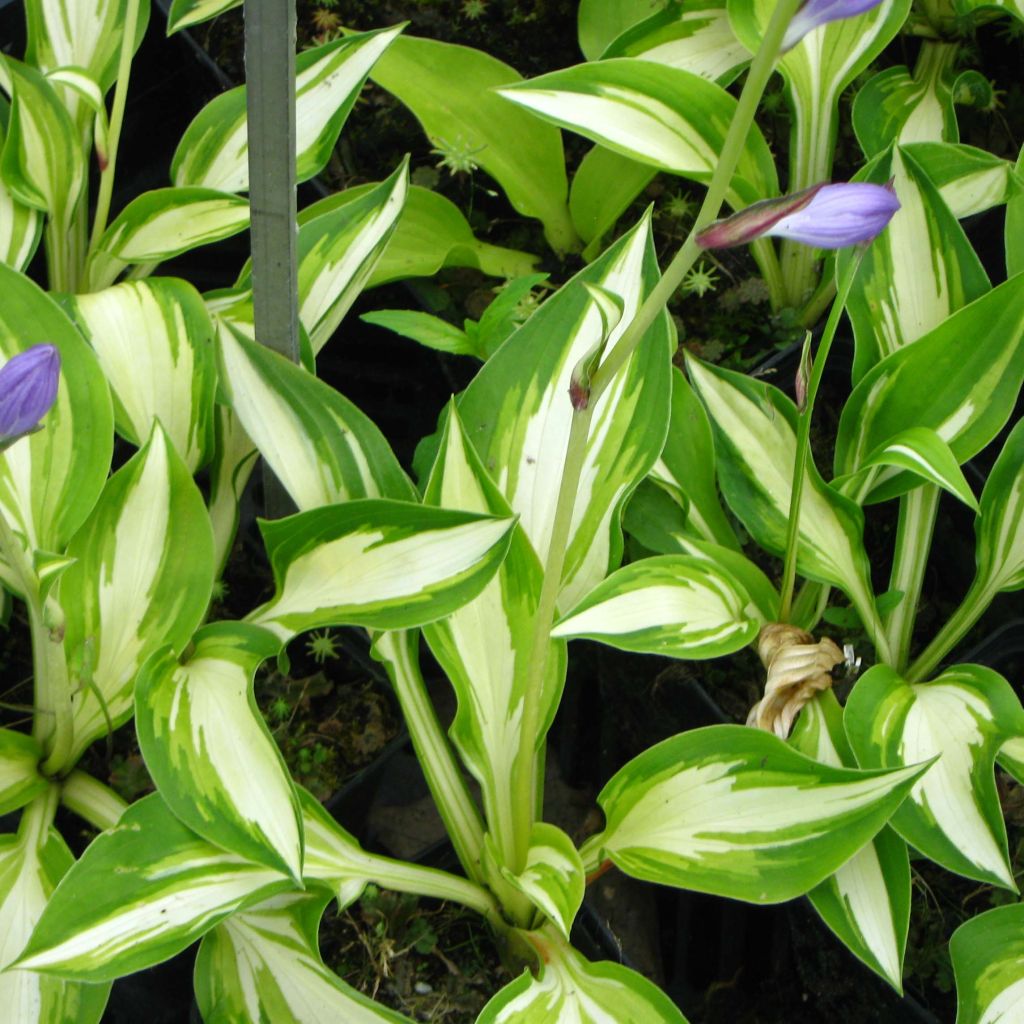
x,y
962,717
673,605
210,752
141,579
154,341
735,811
213,152
143,891
375,563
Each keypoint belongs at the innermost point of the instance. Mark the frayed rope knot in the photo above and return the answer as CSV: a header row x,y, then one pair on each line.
x,y
797,667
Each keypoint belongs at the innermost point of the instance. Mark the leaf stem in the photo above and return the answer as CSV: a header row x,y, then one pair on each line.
x,y
402,876
38,817
972,607
397,651
52,725
90,799
732,148
914,531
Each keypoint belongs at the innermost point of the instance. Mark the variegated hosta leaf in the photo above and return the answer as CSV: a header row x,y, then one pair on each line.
x,y
916,273
988,963
1011,757
20,780
20,230
143,891
603,187
969,180
50,481
518,416
867,901
673,605
78,85
569,989
42,163
431,233
599,22
264,965
213,152
21,226
920,451
966,7
233,462
662,116
338,251
81,33
654,520
817,70
451,91
154,340
337,254
333,856
320,446
141,580
553,878
694,35
194,12
754,582
895,106
1000,524
380,564
755,440
965,393
485,646
166,222
734,811
1014,231
962,718
209,750
686,468
31,865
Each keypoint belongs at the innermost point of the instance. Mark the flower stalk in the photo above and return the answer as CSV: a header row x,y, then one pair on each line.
x,y
525,784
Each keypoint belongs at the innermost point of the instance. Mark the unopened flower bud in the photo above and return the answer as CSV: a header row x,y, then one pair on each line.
x,y
803,374
28,388
820,12
825,216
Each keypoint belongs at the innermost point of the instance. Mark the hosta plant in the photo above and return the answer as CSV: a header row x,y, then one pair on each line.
x,y
510,548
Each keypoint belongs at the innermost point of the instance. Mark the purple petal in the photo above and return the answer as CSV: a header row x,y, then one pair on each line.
x,y
839,215
28,388
820,12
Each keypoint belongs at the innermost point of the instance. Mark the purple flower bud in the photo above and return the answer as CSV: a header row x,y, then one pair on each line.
x,y
820,12
28,387
825,216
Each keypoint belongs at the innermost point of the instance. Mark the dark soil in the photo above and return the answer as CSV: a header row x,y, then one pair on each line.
x,y
433,962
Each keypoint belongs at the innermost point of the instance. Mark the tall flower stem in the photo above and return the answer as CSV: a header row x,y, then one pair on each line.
x,y
124,66
863,602
803,441
524,785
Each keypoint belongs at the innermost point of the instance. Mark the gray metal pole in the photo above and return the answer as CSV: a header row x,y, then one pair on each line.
x,y
270,101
